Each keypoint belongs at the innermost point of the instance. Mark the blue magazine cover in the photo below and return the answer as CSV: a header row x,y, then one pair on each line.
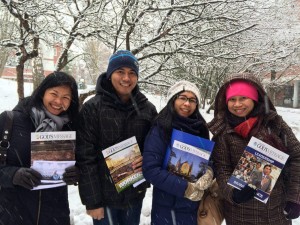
x,y
259,166
188,155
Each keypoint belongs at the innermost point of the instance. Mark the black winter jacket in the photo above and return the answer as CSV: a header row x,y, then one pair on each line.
x,y
19,206
104,121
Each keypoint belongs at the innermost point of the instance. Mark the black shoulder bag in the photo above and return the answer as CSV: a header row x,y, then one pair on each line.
x,y
5,137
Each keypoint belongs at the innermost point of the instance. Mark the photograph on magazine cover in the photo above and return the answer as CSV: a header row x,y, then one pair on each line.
x,y
119,158
52,171
258,172
259,166
187,155
62,150
47,146
119,164
187,163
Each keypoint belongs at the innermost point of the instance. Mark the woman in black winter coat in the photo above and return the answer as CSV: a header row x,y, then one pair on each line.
x,y
53,106
175,200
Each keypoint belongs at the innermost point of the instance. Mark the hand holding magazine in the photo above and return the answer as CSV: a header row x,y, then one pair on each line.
x,y
51,154
188,155
119,159
259,166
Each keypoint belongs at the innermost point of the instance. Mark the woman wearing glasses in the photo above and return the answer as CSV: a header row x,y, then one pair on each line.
x,y
175,200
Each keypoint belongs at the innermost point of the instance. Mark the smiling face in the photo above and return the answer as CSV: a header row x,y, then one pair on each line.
x,y
124,81
185,104
267,170
57,99
240,106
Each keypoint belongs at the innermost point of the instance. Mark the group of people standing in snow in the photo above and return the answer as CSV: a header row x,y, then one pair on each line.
x,y
119,111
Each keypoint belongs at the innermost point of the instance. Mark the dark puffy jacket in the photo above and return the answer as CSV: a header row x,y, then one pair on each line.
x,y
19,206
104,121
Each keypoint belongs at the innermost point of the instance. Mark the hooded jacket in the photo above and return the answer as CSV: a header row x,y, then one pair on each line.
x,y
229,148
20,206
104,121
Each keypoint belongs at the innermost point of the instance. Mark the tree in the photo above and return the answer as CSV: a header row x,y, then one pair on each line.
x,y
6,30
95,58
162,34
26,41
159,33
37,71
196,40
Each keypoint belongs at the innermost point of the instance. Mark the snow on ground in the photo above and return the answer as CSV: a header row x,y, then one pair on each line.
x,y
9,99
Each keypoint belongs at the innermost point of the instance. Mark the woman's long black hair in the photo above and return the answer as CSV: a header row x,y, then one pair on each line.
x,y
56,79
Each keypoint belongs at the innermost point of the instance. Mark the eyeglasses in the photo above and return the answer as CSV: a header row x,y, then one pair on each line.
x,y
184,99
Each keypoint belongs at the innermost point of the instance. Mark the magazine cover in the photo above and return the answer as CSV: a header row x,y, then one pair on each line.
x,y
188,155
51,153
260,165
119,158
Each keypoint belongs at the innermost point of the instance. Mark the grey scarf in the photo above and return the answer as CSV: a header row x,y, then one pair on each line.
x,y
44,121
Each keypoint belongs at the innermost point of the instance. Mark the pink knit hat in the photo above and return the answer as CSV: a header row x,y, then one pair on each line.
x,y
241,88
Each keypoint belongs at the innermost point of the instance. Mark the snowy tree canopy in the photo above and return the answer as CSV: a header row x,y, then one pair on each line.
x,y
197,40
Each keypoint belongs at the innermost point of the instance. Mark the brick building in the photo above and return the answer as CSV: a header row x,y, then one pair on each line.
x,y
283,87
49,57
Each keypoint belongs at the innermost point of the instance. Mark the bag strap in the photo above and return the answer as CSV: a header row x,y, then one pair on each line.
x,y
5,138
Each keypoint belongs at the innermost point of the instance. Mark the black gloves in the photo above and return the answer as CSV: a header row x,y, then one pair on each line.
x,y
71,176
243,195
292,210
27,178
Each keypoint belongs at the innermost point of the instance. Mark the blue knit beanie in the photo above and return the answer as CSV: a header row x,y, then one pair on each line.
x,y
122,58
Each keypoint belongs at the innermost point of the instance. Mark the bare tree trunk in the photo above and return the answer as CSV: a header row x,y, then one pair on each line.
x,y
211,107
20,78
272,89
3,60
37,71
206,91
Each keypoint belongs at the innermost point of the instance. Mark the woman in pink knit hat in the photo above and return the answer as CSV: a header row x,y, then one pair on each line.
x,y
243,110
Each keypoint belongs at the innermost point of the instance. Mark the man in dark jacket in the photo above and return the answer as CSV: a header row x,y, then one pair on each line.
x,y
117,112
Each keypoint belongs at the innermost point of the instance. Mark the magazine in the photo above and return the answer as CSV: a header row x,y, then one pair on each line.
x,y
51,154
259,166
188,155
119,158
